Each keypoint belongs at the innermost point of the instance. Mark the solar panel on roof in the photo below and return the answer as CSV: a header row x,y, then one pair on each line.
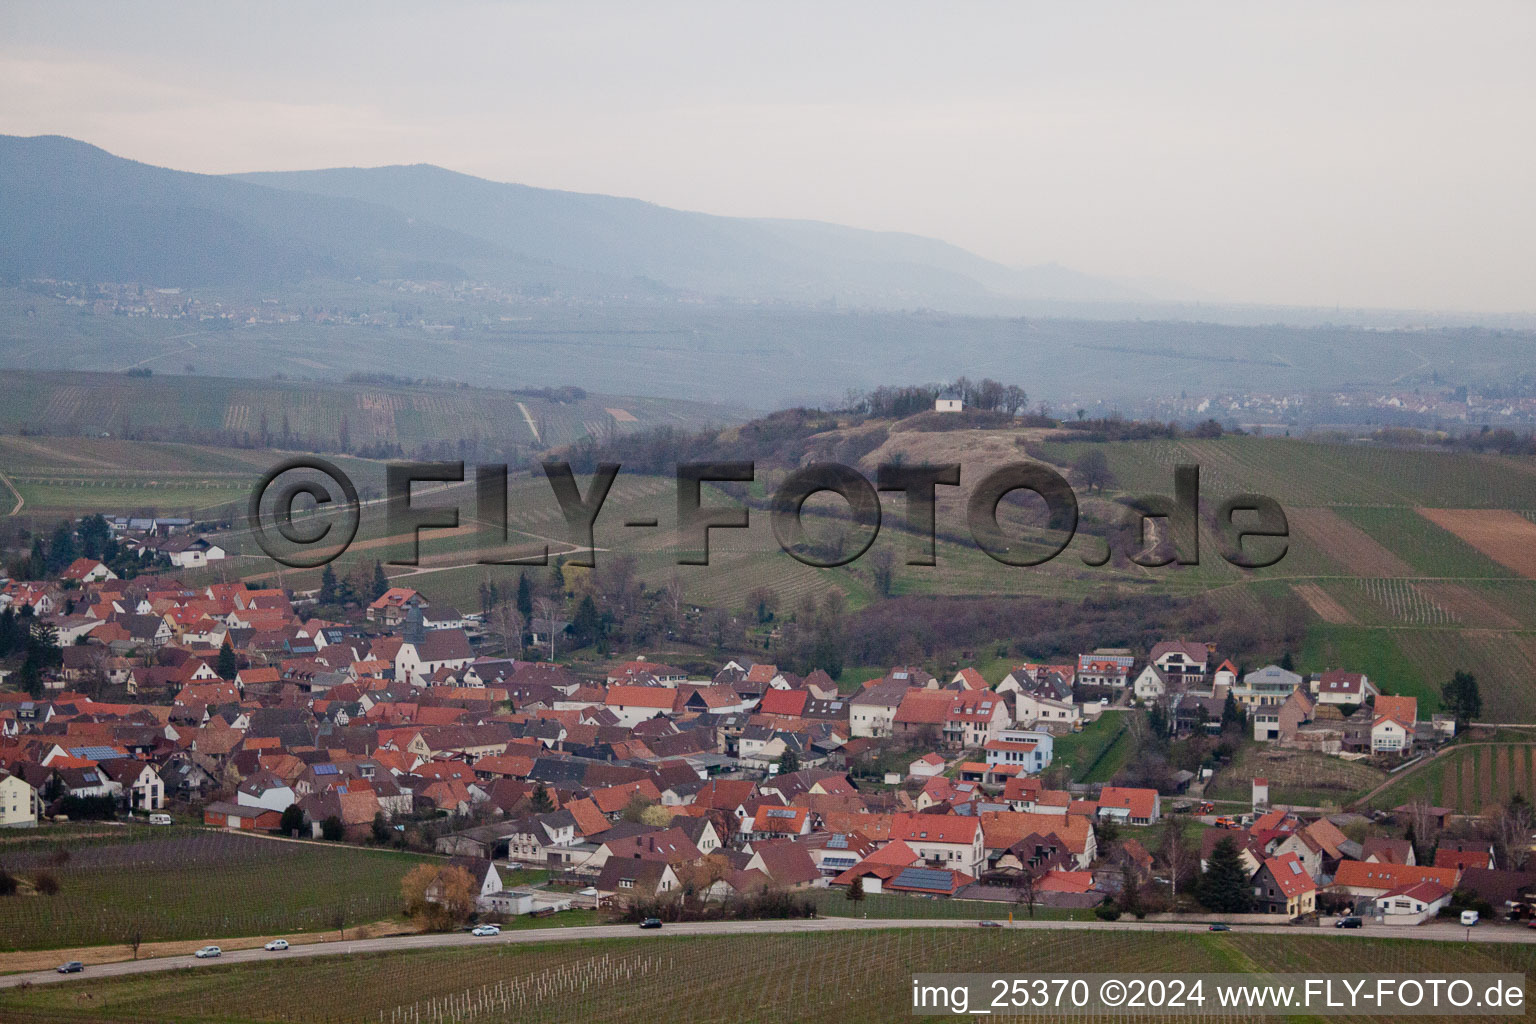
x,y
838,842
924,878
327,769
94,753
1295,868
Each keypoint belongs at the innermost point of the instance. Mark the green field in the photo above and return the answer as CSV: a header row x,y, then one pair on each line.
x,y
192,884
848,977
1096,753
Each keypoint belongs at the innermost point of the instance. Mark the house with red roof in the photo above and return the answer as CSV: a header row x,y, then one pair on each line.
x,y
1130,806
88,570
1283,886
1363,878
1412,903
943,840
635,704
1393,727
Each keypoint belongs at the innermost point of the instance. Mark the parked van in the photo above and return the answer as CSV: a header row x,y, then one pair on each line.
x,y
160,819
1469,917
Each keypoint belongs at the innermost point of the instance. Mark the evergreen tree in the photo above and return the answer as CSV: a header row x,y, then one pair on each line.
x,y
380,582
856,888
524,597
61,549
292,820
789,761
540,801
1461,698
227,666
1231,712
327,586
1224,887
1287,662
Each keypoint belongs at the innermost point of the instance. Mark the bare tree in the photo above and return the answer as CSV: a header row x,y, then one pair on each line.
x,y
1025,887
1179,857
547,610
1511,835
507,621
338,918
1421,818
135,939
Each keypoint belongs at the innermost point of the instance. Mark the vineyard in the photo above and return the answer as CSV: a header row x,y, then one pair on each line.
x,y
193,885
855,978
1468,779
232,411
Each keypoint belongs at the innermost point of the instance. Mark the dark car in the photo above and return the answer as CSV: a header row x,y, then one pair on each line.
x,y
651,922
1349,922
71,967
989,924
1221,927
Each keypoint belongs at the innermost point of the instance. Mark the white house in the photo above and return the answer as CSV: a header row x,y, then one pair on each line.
x,y
264,789
872,711
139,780
1396,719
949,401
1030,749
1047,712
945,840
422,655
1336,687
19,806
1412,904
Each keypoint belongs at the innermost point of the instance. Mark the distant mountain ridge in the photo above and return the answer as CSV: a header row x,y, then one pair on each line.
x,y
71,210
743,257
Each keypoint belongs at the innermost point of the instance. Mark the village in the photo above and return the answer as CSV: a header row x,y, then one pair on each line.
x,y
656,792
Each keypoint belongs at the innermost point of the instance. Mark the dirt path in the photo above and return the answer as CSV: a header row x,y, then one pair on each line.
x,y
1321,602
20,501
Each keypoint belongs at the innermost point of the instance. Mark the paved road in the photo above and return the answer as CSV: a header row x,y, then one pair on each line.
x,y
1444,932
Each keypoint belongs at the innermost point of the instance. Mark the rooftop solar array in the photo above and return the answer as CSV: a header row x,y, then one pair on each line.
x,y
924,878
95,753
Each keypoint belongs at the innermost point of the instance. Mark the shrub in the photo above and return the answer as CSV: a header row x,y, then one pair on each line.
x,y
1109,910
46,883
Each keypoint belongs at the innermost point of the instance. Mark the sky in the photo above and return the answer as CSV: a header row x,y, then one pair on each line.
x,y
1319,154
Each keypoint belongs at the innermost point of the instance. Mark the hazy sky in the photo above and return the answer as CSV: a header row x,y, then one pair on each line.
x,y
1363,155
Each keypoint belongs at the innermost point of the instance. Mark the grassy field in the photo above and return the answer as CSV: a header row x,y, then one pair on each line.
x,y
1096,753
192,884
852,978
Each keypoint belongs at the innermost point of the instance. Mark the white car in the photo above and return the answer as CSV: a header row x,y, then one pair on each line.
x,y
1103,702
486,929
208,951
276,945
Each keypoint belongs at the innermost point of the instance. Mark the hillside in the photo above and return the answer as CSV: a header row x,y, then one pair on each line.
x,y
326,415
798,260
